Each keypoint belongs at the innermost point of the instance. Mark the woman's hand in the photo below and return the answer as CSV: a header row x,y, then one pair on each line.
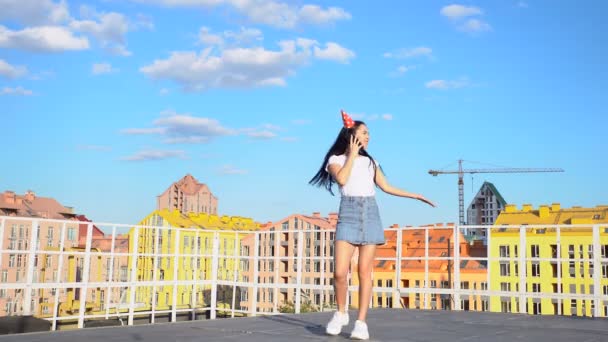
x,y
423,199
355,146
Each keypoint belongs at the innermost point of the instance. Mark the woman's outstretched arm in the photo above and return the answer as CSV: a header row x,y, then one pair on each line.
x,y
383,184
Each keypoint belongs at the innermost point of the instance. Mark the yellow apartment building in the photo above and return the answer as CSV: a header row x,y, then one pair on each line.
x,y
573,276
191,236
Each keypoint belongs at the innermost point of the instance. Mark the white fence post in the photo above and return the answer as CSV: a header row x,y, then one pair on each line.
x,y
560,301
597,271
256,270
57,279
398,264
214,274
426,268
235,271
85,276
133,278
277,263
457,303
176,257
488,266
523,299
299,271
110,271
155,263
27,296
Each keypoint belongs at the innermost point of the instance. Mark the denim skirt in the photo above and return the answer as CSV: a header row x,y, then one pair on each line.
x,y
359,221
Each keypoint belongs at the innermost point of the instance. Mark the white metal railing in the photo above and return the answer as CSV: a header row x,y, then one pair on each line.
x,y
153,248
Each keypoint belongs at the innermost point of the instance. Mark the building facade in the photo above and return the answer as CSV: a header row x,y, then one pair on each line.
x,y
278,246
543,274
484,209
188,196
192,237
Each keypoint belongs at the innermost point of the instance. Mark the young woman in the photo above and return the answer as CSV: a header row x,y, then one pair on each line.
x,y
359,226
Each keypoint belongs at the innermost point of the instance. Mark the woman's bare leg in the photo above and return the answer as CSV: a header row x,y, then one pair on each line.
x,y
343,254
366,265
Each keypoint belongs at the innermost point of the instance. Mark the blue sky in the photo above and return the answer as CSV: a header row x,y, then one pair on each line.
x,y
104,104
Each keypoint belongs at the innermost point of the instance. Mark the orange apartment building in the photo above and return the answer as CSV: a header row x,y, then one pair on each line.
x,y
280,240
473,274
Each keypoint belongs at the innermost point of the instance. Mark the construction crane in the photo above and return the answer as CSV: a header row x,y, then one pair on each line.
x,y
462,171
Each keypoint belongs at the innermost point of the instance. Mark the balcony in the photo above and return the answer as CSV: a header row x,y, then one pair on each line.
x,y
472,290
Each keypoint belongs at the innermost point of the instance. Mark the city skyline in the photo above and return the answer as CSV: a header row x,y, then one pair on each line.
x,y
107,103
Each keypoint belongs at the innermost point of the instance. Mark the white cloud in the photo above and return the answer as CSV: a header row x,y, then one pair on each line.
x,y
164,91
420,51
142,22
459,14
459,11
110,31
246,36
387,117
522,4
334,52
444,85
314,14
11,71
183,129
231,170
475,25
16,91
155,155
401,70
34,12
268,12
241,67
102,68
289,139
42,39
205,37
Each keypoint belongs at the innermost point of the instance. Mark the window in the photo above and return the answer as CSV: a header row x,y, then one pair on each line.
x,y
504,251
505,306
11,260
505,287
535,269
484,286
536,308
71,234
534,251
505,269
536,287
4,276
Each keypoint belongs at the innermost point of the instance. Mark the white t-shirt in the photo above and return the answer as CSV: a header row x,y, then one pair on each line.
x,y
361,180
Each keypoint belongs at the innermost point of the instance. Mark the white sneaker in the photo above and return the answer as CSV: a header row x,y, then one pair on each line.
x,y
334,327
360,331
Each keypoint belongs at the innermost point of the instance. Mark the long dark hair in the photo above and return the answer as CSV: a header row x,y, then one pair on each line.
x,y
339,147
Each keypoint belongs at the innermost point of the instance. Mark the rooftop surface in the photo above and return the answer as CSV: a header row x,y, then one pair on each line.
x,y
384,325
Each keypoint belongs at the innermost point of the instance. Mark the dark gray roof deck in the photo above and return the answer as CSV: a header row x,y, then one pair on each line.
x,y
384,325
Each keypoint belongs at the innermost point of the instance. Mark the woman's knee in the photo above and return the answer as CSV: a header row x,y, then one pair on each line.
x,y
340,275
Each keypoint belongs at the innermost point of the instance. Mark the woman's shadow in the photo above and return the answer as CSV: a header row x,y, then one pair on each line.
x,y
311,327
